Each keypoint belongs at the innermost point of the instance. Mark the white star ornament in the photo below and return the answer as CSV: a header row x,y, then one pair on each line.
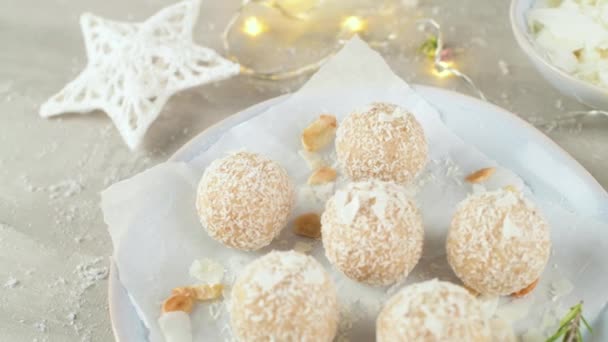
x,y
134,68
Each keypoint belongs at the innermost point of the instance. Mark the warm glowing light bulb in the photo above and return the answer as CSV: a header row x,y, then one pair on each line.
x,y
253,27
353,24
443,69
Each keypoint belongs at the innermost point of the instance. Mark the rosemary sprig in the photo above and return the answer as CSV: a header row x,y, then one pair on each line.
x,y
570,326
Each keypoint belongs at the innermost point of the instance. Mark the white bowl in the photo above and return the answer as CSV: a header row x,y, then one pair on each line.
x,y
584,92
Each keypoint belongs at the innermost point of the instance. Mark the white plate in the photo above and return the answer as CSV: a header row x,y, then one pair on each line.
x,y
548,170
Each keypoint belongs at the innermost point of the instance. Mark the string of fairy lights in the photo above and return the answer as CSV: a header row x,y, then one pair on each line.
x,y
443,64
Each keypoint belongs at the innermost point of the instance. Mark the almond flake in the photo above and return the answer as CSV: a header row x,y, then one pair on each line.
x,y
480,175
322,175
178,302
319,133
308,225
200,292
523,292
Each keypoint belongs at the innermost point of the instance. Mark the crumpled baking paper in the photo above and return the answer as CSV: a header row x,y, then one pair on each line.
x,y
156,232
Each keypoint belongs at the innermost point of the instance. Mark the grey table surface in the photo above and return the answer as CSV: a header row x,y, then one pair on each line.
x,y
54,246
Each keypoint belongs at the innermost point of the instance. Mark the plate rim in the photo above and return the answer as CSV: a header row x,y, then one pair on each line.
x,y
221,126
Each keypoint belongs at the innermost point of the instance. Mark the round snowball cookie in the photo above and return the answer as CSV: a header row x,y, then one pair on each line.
x,y
372,232
284,296
432,311
498,243
382,141
244,200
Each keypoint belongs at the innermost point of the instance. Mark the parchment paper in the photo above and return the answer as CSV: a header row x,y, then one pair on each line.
x,y
157,235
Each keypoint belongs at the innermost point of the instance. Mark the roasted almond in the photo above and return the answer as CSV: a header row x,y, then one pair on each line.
x,y
308,225
319,133
523,292
322,175
208,292
178,302
200,292
480,175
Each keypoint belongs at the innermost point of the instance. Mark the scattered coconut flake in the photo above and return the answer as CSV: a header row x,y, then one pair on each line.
x,y
379,207
71,318
41,326
207,271
560,288
91,273
510,229
504,68
176,326
11,283
267,279
348,212
383,117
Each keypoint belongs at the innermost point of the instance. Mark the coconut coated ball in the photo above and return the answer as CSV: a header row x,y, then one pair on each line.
x,y
372,232
432,311
284,296
381,141
498,243
244,200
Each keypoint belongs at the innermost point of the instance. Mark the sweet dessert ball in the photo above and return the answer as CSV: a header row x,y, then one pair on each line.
x,y
244,200
382,141
498,243
284,296
372,232
432,311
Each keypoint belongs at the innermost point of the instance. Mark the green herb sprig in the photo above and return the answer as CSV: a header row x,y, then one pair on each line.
x,y
570,326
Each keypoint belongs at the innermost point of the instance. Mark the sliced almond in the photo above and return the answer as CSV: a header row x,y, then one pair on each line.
x,y
480,175
178,302
322,175
523,292
308,225
184,291
200,292
319,133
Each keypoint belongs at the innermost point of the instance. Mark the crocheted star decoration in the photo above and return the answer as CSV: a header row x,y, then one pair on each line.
x,y
134,68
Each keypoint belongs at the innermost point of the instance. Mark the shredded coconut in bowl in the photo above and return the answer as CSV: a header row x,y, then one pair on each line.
x,y
573,35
